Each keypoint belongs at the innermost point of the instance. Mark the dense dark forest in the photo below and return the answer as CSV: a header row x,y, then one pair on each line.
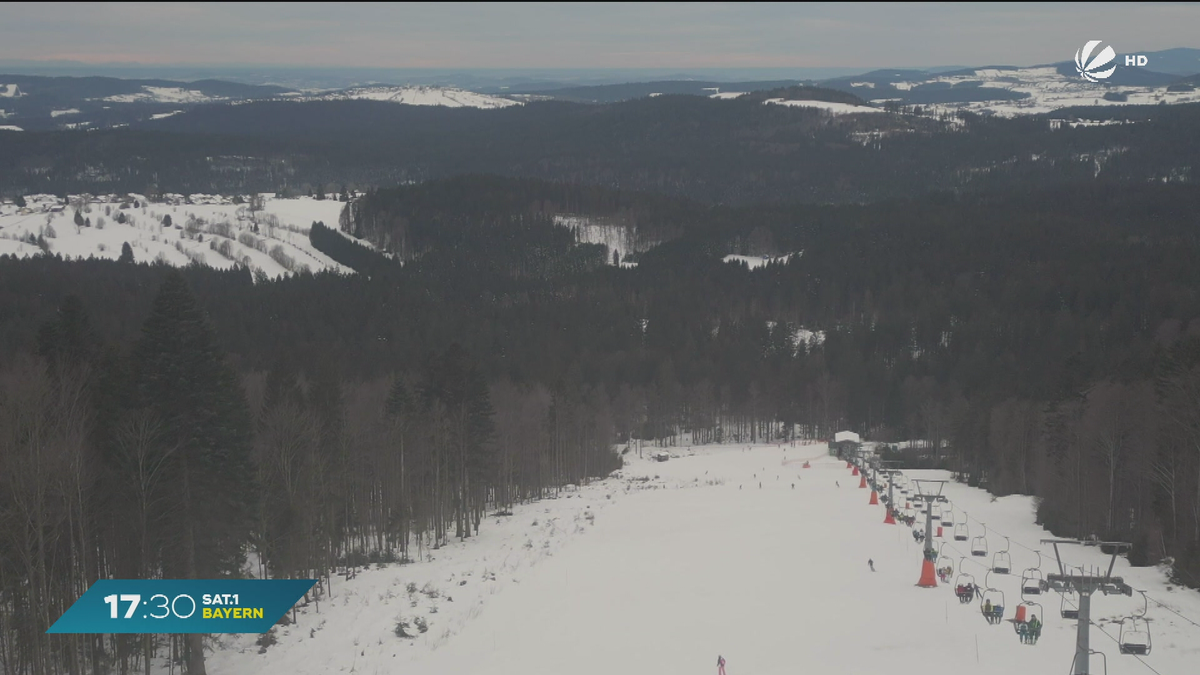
x,y
1036,322
729,152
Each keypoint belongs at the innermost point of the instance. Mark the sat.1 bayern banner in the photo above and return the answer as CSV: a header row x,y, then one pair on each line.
x,y
182,606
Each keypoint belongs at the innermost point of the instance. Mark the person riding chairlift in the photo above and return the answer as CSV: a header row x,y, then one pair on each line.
x,y
1033,630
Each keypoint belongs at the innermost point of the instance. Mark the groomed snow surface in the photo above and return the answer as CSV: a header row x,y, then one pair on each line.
x,y
665,565
196,228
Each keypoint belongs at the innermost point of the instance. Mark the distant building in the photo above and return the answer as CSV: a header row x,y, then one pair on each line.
x,y
845,443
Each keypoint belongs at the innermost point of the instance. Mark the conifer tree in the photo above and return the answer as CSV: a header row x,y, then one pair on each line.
x,y
181,377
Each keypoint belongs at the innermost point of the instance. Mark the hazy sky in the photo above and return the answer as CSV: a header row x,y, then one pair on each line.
x,y
587,35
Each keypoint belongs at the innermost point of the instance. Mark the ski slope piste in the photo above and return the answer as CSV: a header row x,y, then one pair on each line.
x,y
758,554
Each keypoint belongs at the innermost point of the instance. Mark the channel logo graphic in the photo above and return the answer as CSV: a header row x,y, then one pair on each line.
x,y
1090,67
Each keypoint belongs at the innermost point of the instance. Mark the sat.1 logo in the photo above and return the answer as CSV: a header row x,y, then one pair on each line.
x,y
1096,67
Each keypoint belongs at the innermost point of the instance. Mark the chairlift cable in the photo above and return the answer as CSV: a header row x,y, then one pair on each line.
x,y
1173,611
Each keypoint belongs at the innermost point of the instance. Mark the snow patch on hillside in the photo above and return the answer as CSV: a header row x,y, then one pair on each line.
x,y
448,97
1047,90
164,95
10,91
828,106
756,261
10,127
597,230
207,229
60,113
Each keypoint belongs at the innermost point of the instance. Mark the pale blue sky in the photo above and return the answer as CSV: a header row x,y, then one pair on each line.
x,y
587,35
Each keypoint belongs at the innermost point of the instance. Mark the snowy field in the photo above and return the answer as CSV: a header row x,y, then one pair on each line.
x,y
448,97
828,106
1047,91
211,231
723,550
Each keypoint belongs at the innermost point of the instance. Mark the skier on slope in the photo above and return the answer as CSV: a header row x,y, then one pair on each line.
x,y
871,564
720,665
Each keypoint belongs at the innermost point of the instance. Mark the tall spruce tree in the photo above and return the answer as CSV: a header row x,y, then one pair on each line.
x,y
181,377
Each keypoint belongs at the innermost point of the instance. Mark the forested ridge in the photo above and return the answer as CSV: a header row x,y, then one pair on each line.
x,y
711,151
1042,341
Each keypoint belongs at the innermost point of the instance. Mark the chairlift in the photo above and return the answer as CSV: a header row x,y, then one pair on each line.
x,y
979,547
944,562
991,602
964,586
1023,624
961,532
936,511
1103,663
1069,607
948,516
1032,582
1002,562
1135,637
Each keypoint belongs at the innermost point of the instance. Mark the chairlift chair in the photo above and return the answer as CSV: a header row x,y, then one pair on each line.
x,y
1032,582
1002,562
947,517
1026,612
992,599
964,587
1069,607
961,532
979,546
1103,663
1135,637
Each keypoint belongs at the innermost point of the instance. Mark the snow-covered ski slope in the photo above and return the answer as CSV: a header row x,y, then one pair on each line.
x,y
211,230
662,567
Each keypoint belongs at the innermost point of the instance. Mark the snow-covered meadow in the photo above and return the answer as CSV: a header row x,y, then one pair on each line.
x,y
733,550
207,229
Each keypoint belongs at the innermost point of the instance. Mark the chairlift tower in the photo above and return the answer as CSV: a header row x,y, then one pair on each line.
x,y
929,491
1087,582
891,472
